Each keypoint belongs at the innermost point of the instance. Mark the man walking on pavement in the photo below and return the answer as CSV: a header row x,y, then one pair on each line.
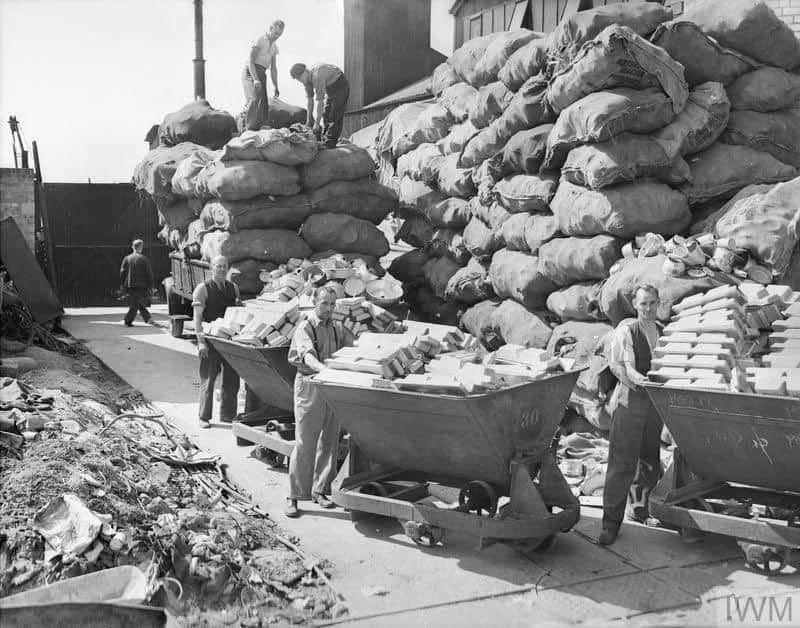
x,y
209,302
136,278
634,451
329,86
313,462
263,54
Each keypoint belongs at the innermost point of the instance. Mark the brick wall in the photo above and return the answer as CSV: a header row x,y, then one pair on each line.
x,y
17,200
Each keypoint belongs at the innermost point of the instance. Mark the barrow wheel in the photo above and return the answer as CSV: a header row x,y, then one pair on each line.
x,y
765,559
423,534
274,459
478,496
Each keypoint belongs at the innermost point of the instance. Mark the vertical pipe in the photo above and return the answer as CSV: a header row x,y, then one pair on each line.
x,y
199,62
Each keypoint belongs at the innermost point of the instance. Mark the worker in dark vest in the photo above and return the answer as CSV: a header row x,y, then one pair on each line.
x,y
136,278
634,460
263,57
312,465
209,301
328,85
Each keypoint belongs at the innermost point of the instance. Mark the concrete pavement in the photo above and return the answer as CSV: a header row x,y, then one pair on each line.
x,y
649,576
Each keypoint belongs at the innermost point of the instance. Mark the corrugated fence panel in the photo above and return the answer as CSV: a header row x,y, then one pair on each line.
x,y
92,226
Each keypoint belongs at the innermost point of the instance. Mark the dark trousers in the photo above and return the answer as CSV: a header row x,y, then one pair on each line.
x,y
336,96
209,368
138,301
257,107
634,455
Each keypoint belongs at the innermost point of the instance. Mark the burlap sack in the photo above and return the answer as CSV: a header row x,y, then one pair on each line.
x,y
177,216
480,240
700,124
290,147
260,212
457,139
399,122
422,163
617,57
449,243
722,170
443,77
486,143
517,325
621,210
281,115
566,261
455,181
527,232
197,122
362,198
239,180
465,58
489,104
528,108
438,271
418,195
526,192
497,52
184,181
346,162
493,215
579,302
409,267
525,151
454,213
155,172
477,321
416,231
428,307
432,124
749,26
518,276
265,245
343,234
604,115
703,59
247,275
776,133
459,99
766,89
526,62
470,284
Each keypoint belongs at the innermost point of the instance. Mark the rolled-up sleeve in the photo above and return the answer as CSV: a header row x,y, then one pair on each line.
x,y
301,345
199,296
620,352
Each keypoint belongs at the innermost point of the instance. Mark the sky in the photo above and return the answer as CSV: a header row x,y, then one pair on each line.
x,y
88,78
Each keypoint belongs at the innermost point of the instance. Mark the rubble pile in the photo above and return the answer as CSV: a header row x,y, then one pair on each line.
x,y
553,173
91,490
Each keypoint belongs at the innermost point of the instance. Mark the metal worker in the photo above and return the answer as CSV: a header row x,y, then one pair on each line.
x,y
136,278
263,54
209,301
313,462
634,453
329,86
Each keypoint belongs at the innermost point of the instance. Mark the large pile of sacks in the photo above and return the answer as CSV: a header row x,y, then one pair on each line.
x,y
542,156
265,197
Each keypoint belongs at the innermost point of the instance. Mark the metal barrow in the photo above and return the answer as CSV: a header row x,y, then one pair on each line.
x,y
268,374
406,445
736,469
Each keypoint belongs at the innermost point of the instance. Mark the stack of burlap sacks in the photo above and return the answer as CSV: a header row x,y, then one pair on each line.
x,y
266,197
541,156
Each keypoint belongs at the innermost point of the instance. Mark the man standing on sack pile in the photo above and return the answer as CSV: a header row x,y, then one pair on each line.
x,y
209,302
263,55
136,278
329,84
634,452
312,466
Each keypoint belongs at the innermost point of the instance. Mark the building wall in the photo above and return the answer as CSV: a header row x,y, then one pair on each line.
x,y
18,200
387,46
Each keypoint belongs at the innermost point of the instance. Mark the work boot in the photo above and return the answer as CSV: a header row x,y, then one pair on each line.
x,y
291,510
205,425
127,324
322,500
609,533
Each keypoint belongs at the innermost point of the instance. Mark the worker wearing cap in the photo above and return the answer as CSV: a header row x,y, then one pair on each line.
x,y
328,85
209,301
313,462
634,452
263,54
136,278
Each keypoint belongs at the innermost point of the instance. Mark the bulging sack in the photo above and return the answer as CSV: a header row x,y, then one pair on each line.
x,y
449,243
177,216
464,58
497,52
443,77
453,213
518,276
702,58
528,108
618,57
362,198
247,275
517,325
455,181
625,158
766,89
438,271
409,268
416,231
540,228
265,245
722,170
764,220
399,121
470,284
432,124
604,115
459,99
283,114
346,162
477,321
290,147
489,104
155,172
616,296
184,181
197,122
343,234
428,307
700,124
239,180
418,195
422,163
579,302
749,26
525,151
260,212
493,214
480,240
482,146
572,33
566,261
526,62
457,139
622,210
776,133
526,192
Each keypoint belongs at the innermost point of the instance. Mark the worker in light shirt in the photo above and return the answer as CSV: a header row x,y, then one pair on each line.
x,y
328,85
312,465
634,453
263,54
